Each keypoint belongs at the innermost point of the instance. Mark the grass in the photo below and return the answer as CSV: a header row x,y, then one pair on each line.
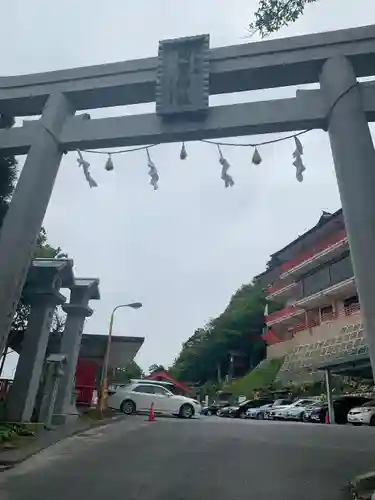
x,y
94,415
261,377
14,435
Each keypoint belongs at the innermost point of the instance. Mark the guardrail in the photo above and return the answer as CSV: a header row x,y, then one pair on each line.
x,y
286,311
352,309
313,251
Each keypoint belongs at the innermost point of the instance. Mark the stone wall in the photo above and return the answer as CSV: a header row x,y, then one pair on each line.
x,y
328,342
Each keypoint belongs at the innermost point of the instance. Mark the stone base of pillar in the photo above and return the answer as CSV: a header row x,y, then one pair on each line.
x,y
71,416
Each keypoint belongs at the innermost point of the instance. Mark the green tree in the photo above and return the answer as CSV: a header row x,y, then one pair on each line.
x,y
206,354
156,368
8,172
123,375
273,15
44,250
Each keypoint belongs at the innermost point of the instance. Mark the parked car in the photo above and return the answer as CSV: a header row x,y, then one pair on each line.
x,y
341,407
277,407
363,415
306,417
296,410
257,413
240,410
138,397
214,408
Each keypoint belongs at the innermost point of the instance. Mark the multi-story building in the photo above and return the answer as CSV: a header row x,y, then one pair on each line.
x,y
319,320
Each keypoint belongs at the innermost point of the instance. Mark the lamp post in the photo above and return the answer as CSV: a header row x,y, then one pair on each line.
x,y
104,374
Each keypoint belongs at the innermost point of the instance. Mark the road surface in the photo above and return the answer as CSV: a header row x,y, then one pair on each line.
x,y
204,459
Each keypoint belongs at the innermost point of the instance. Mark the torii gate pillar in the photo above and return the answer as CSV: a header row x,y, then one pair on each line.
x,y
26,212
354,158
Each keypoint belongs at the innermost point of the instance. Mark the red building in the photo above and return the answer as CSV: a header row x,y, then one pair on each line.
x,y
319,317
164,376
91,358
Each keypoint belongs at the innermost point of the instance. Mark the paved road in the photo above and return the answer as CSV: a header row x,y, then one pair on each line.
x,y
209,458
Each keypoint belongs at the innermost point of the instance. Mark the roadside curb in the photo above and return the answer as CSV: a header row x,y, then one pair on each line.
x,y
361,487
27,452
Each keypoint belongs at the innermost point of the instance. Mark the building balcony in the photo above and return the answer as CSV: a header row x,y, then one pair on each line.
x,y
338,291
280,290
286,315
322,252
314,333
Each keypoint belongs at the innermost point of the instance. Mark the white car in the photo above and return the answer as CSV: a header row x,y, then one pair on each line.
x,y
292,409
297,409
279,404
362,415
138,396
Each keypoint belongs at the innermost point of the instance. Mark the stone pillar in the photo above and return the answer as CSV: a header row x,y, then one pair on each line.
x,y
354,159
26,212
77,311
331,412
22,395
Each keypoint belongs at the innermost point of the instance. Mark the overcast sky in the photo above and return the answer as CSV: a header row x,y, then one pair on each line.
x,y
185,249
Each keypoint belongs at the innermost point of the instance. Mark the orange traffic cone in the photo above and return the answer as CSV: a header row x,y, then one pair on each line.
x,y
327,418
151,415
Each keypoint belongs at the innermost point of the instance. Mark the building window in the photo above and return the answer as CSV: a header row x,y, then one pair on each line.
x,y
351,305
326,313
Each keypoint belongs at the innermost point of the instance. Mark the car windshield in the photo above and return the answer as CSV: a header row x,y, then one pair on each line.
x,y
315,405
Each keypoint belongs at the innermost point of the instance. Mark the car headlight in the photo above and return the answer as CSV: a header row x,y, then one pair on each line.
x,y
365,410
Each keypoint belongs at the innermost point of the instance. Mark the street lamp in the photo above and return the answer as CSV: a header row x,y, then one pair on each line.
x,y
104,374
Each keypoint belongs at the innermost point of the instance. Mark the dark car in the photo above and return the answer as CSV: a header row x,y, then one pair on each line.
x,y
341,407
213,408
306,416
240,410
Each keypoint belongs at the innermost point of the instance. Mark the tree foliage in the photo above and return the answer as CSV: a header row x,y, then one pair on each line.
x,y
156,368
273,15
123,375
205,356
8,172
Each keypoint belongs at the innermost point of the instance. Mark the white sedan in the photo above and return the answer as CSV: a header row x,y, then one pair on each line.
x,y
139,396
294,410
362,415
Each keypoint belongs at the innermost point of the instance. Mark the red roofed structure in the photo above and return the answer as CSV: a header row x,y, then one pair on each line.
x,y
164,376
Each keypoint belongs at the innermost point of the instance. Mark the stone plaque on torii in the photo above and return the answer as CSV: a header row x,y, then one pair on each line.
x,y
342,106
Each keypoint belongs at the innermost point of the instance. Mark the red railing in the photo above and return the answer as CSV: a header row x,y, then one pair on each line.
x,y
304,326
316,249
352,309
279,286
287,311
327,316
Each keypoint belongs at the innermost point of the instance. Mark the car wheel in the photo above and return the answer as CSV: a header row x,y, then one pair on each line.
x,y
372,421
260,416
128,407
186,411
242,414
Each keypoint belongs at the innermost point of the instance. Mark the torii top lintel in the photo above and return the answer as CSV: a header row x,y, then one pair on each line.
x,y
266,64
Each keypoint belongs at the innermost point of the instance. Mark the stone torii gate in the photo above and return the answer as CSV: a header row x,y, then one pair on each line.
x,y
180,81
